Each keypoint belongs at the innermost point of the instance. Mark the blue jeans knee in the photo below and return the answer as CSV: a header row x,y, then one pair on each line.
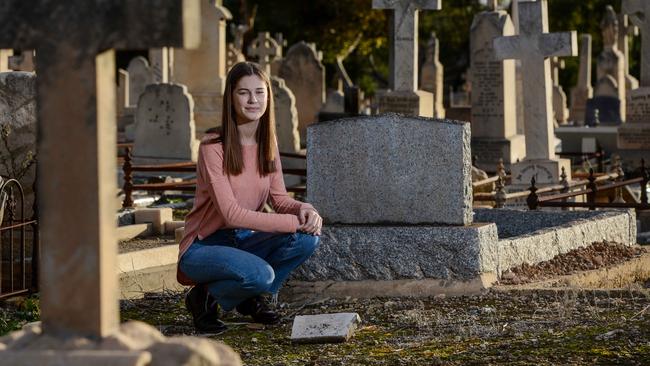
x,y
306,243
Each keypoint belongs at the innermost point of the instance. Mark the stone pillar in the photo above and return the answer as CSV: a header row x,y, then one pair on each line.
x,y
583,90
494,125
203,70
432,78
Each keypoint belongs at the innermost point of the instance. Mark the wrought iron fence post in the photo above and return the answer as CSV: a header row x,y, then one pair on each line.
x,y
644,183
565,186
128,180
591,196
532,200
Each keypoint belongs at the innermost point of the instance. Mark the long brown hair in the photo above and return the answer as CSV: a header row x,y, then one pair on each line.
x,y
233,161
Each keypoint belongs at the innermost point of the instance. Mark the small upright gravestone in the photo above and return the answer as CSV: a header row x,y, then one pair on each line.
x,y
140,75
164,126
304,74
432,78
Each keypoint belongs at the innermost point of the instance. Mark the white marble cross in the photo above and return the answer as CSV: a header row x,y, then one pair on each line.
x,y
626,29
638,11
266,49
75,42
404,40
533,46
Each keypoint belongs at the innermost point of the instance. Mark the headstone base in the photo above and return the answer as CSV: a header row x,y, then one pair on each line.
x,y
489,150
545,171
574,138
634,136
417,103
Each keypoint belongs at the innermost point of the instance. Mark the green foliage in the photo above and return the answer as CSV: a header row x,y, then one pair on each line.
x,y
335,25
17,312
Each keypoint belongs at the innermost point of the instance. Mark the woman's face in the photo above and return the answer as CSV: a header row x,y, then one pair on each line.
x,y
250,98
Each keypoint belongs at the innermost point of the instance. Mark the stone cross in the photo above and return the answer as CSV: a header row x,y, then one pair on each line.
x,y
638,11
404,40
625,30
266,49
557,64
75,42
533,46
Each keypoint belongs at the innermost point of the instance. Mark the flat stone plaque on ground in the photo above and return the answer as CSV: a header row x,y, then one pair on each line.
x,y
324,328
390,169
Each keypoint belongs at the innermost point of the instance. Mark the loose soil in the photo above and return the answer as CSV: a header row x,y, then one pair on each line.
x,y
597,255
131,245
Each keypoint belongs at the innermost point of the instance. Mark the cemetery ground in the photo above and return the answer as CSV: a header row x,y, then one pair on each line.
x,y
509,324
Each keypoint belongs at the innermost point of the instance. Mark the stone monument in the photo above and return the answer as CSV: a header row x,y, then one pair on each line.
x,y
23,62
304,74
4,59
494,127
164,126
635,134
627,29
609,92
534,45
140,75
432,76
403,95
583,90
265,49
560,110
77,143
203,70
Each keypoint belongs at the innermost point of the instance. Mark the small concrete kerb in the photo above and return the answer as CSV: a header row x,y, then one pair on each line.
x,y
324,328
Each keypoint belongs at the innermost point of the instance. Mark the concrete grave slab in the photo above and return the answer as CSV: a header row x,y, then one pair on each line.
x,y
324,328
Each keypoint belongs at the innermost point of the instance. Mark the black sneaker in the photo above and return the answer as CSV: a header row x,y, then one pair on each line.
x,y
259,309
204,310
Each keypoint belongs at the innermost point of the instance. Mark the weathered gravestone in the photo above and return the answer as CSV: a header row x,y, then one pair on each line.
x,y
304,74
203,70
161,62
164,126
403,95
18,132
583,90
432,76
266,49
22,62
534,45
494,126
635,134
76,171
609,93
390,169
140,75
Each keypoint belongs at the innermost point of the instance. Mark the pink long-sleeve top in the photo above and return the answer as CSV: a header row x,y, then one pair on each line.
x,y
224,201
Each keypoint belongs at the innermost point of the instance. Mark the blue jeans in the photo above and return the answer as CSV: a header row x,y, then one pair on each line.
x,y
237,264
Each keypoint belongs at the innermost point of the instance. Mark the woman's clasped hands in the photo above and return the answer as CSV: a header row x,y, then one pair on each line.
x,y
310,221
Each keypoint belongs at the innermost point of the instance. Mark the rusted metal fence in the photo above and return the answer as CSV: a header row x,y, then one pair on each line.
x,y
18,243
186,167
591,190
